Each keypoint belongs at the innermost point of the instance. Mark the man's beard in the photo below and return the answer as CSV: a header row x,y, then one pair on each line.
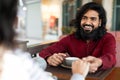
x,y
87,35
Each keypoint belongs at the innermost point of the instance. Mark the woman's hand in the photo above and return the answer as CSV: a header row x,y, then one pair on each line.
x,y
95,63
80,67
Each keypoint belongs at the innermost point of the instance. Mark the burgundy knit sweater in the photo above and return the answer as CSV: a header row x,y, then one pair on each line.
x,y
105,48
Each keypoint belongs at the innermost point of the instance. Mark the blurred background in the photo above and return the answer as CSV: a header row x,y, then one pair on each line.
x,y
45,20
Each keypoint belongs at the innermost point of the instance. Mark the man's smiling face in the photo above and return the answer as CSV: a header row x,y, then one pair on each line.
x,y
90,21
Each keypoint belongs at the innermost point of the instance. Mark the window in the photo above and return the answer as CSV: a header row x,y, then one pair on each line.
x,y
116,17
69,8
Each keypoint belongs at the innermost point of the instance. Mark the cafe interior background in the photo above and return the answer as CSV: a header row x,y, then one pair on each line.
x,y
47,20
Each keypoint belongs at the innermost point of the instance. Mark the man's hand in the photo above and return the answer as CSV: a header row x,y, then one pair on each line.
x,y
80,67
95,63
56,59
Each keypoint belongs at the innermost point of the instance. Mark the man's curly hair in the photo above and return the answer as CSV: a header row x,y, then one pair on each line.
x,y
100,31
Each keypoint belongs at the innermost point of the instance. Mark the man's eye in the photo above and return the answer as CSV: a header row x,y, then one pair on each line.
x,y
84,18
93,19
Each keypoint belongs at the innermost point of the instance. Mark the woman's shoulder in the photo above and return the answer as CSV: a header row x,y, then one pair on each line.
x,y
20,62
15,57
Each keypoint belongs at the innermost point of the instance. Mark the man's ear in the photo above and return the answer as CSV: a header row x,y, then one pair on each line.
x,y
15,23
100,23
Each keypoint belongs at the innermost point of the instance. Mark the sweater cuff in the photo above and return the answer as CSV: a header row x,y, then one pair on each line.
x,y
77,77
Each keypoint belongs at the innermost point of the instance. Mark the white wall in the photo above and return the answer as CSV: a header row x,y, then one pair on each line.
x,y
33,21
108,5
85,1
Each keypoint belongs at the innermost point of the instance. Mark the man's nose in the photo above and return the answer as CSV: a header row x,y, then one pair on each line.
x,y
88,21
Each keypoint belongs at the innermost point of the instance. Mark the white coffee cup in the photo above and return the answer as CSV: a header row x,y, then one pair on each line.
x,y
69,60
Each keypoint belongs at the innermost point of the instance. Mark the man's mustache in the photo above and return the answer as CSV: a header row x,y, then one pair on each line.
x,y
88,25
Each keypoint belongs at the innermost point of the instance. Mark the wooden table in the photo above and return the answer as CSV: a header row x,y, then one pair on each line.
x,y
65,74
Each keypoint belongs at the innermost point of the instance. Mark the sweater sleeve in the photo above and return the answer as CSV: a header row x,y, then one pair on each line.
x,y
58,47
109,53
77,77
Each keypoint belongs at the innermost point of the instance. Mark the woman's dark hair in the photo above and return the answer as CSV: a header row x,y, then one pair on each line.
x,y
102,15
8,14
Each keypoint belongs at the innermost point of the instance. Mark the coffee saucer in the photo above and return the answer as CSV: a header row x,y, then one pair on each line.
x,y
66,66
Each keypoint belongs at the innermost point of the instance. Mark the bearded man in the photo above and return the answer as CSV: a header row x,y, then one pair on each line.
x,y
91,42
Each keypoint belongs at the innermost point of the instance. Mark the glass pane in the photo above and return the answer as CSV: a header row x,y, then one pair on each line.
x,y
117,19
78,3
65,13
118,2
